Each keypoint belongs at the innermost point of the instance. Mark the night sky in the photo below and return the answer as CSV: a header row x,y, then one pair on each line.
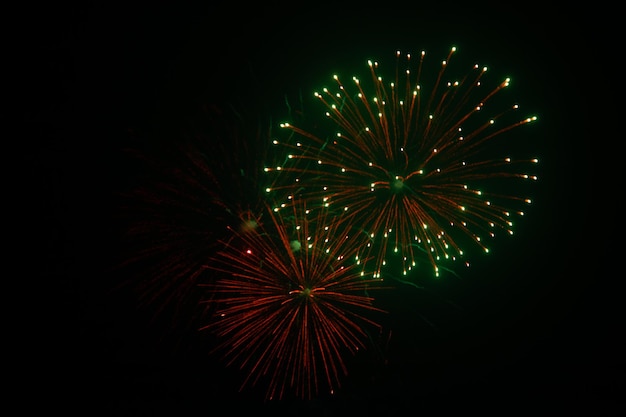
x,y
530,329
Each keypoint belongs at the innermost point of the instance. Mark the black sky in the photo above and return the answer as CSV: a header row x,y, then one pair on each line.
x,y
532,330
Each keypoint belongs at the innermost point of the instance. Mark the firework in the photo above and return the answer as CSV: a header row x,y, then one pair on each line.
x,y
292,301
172,216
409,160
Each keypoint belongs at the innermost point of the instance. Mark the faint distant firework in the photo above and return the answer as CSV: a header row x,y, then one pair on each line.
x,y
291,301
414,160
188,187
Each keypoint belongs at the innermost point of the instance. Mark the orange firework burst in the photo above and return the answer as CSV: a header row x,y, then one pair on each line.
x,y
406,162
292,301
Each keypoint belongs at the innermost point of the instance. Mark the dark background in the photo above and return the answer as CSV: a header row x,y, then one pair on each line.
x,y
534,329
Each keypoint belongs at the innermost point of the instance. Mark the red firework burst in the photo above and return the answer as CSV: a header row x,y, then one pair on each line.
x,y
293,301
406,162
